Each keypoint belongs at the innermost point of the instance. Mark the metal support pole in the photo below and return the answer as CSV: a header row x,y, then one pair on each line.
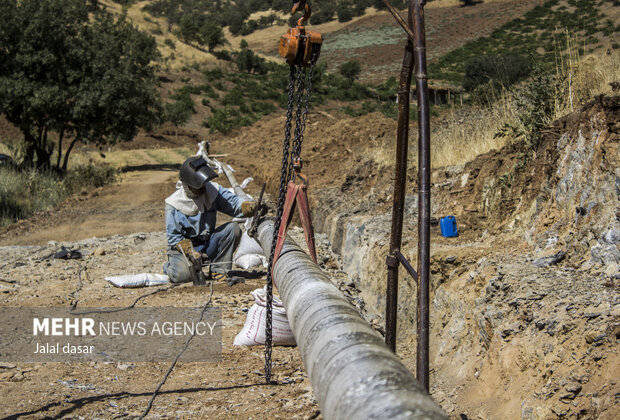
x,y
424,195
416,20
400,182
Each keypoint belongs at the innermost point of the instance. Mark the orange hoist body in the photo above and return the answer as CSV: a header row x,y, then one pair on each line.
x,y
298,44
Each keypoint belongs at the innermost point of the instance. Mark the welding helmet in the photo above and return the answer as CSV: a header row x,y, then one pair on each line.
x,y
195,172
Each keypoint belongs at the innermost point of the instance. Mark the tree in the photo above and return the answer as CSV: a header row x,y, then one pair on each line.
x,y
179,111
189,28
170,9
89,80
212,35
345,12
351,70
247,60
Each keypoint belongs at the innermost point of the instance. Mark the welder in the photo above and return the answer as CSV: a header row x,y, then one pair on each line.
x,y
191,214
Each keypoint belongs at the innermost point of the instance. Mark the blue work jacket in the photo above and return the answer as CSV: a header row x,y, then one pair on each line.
x,y
198,228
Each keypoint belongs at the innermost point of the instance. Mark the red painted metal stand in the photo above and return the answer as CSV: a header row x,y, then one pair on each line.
x,y
296,196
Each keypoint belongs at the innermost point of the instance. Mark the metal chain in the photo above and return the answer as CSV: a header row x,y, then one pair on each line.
x,y
297,78
306,102
301,81
276,227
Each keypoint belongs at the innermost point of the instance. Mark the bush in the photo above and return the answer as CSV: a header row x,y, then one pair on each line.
x,y
325,14
248,61
345,13
388,90
26,191
214,74
536,105
351,70
497,71
222,55
226,118
89,176
170,43
179,111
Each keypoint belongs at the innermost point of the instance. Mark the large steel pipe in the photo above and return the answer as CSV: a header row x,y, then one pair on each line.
x,y
353,374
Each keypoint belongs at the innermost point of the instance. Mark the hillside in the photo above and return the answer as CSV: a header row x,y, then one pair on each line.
x,y
525,303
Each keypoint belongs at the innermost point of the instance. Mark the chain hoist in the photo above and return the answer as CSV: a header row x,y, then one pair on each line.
x,y
301,49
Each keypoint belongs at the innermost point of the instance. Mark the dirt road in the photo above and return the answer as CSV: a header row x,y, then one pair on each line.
x,y
232,388
133,205
102,225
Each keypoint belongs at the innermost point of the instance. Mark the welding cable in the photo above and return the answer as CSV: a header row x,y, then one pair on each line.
x,y
110,310
178,356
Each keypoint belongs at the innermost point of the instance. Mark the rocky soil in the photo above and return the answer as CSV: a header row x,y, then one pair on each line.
x,y
232,388
525,315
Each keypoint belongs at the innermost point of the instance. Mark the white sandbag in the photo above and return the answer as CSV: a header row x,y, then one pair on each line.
x,y
253,331
246,182
138,280
249,253
250,260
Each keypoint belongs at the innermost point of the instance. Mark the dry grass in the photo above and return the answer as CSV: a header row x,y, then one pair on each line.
x,y
462,138
4,149
184,55
585,77
124,158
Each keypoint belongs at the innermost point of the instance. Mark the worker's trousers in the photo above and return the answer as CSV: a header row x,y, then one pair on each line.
x,y
222,244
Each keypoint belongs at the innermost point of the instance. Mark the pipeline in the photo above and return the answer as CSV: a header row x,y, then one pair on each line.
x,y
352,372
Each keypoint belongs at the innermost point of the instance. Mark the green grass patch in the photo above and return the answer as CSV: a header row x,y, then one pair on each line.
x,y
26,191
359,38
540,27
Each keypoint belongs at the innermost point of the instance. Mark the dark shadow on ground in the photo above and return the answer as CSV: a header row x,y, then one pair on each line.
x,y
152,167
80,402
465,3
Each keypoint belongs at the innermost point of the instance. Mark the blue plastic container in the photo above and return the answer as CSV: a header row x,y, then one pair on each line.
x,y
448,227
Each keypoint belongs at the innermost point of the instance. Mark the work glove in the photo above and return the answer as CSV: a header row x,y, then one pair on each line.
x,y
186,247
248,208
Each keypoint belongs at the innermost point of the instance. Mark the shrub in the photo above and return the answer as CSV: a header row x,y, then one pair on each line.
x,y
222,55
351,70
214,74
179,111
226,118
497,71
325,14
170,43
345,13
248,61
536,105
26,191
89,176
387,90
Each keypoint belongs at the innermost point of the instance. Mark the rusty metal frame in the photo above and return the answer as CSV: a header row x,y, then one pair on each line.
x,y
296,196
416,47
